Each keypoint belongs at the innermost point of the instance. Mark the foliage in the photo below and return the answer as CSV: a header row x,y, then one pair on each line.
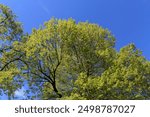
x,y
10,31
64,59
60,50
127,78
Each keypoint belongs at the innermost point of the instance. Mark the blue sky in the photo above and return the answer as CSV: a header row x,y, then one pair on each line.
x,y
128,20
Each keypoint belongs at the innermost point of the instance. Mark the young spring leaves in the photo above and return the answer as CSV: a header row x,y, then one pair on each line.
x,y
68,60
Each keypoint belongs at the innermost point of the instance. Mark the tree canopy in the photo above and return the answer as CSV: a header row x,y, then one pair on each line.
x,y
65,59
10,31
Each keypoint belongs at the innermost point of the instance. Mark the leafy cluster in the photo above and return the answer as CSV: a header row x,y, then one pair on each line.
x,y
64,59
10,31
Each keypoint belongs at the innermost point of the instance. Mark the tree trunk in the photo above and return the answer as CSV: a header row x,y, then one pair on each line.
x,y
55,89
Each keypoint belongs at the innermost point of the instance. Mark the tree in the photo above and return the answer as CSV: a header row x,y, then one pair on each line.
x,y
68,60
60,50
127,78
52,57
10,31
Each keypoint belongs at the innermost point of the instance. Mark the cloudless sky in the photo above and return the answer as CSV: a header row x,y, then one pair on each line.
x,y
128,20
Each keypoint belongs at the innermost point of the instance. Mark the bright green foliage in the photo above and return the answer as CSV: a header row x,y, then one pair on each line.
x,y
127,78
9,28
68,60
10,31
60,50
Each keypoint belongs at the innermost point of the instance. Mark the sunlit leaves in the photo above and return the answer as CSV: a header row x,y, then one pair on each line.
x,y
70,60
128,77
10,31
